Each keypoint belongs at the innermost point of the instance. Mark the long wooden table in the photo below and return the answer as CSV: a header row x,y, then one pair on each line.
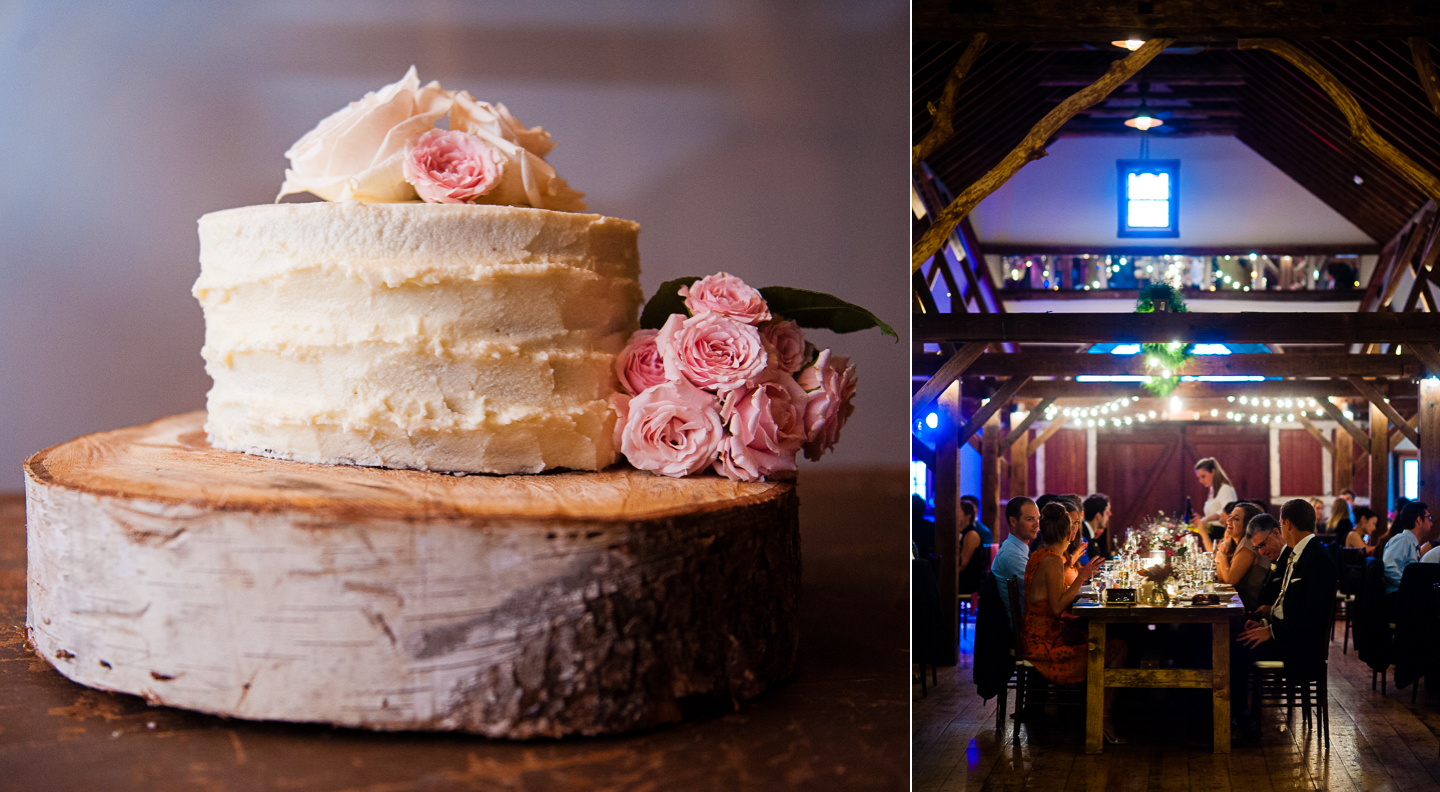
x,y
1217,679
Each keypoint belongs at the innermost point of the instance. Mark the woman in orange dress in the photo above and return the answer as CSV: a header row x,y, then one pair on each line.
x,y
1074,549
1054,640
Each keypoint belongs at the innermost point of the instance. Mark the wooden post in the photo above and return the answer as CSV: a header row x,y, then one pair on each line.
x,y
1344,462
1020,463
947,510
1220,683
1430,441
990,478
1380,465
1095,688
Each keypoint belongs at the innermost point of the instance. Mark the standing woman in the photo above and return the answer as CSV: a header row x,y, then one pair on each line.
x,y
1221,492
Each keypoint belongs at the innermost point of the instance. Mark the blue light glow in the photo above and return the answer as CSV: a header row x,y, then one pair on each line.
x,y
1126,349
932,420
1210,349
917,477
1224,378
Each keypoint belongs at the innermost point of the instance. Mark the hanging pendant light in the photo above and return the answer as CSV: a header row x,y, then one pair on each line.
x,y
1142,119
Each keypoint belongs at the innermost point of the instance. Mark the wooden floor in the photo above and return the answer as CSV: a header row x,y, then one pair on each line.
x,y
1377,742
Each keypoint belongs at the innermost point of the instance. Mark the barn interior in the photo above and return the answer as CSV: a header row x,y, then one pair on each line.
x,y
1264,181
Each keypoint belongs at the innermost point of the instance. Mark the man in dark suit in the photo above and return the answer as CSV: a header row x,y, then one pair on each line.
x,y
1297,630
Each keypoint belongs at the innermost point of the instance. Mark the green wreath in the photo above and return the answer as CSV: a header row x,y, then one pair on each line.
x,y
1164,362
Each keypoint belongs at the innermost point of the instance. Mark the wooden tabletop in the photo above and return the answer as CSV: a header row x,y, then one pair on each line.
x,y
1159,614
842,722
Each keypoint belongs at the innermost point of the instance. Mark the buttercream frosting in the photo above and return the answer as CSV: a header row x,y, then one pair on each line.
x,y
453,337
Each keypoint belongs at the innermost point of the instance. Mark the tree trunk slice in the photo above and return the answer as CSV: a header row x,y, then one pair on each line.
x,y
511,606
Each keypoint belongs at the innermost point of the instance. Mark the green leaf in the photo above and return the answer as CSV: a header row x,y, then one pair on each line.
x,y
818,310
667,300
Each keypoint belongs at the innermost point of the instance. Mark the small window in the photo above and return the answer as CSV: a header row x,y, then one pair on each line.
x,y
1149,200
1410,478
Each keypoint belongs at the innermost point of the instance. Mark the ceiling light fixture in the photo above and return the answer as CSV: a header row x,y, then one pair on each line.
x,y
1129,44
1143,119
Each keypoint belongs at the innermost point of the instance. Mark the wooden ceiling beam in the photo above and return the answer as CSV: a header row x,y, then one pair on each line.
x,y
1345,423
1105,391
1298,364
1019,431
1062,20
1271,297
944,114
1003,395
1049,432
1319,436
1023,249
1378,399
1029,149
954,366
1360,127
1425,68
1240,328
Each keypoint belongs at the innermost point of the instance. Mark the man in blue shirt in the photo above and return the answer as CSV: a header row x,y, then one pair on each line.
x,y
1411,533
1024,518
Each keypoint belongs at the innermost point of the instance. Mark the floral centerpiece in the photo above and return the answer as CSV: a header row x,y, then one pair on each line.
x,y
721,377
1161,535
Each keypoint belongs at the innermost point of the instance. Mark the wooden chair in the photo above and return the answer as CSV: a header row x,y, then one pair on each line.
x,y
1351,561
1270,685
1030,686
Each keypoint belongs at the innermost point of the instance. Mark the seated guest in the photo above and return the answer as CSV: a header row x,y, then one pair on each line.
x,y
1259,547
974,554
1074,545
1095,512
1024,520
1411,540
1297,630
1366,535
1054,640
1319,507
922,531
1339,524
980,526
1235,522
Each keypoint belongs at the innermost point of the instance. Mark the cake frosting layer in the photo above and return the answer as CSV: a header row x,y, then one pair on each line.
x,y
438,337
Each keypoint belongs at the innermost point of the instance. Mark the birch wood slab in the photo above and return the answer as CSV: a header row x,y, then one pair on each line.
x,y
511,606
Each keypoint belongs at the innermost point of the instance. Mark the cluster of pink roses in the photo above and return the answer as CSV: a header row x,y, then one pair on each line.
x,y
730,387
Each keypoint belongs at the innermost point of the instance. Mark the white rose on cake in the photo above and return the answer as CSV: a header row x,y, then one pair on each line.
x,y
355,154
385,148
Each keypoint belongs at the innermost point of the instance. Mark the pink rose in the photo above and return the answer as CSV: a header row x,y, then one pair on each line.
x,y
711,351
673,429
830,384
726,295
766,427
639,365
785,343
451,167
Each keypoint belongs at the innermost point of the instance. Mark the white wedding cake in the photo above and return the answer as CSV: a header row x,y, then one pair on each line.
x,y
453,334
